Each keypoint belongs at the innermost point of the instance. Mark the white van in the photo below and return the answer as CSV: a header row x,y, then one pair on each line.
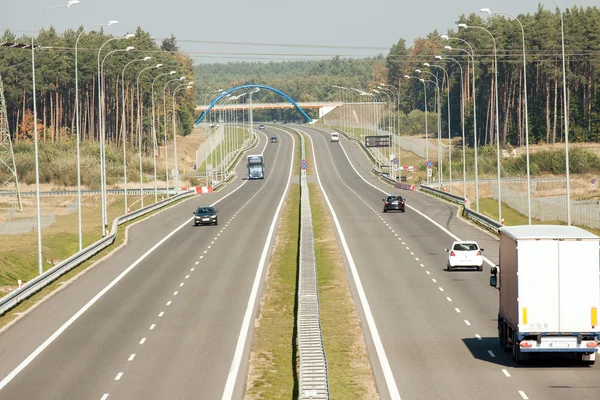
x,y
335,137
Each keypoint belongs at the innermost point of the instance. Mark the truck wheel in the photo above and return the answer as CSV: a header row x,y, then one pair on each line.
x,y
516,350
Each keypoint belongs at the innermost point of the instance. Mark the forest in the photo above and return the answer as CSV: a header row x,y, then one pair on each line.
x,y
55,85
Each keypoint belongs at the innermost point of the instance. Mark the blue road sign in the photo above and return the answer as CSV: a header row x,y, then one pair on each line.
x,y
395,160
429,164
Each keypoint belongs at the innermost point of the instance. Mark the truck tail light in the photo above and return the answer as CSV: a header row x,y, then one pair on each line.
x,y
592,344
525,344
478,252
452,254
386,202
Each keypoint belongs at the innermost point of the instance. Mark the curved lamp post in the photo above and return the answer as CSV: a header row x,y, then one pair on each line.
x,y
426,127
462,119
465,26
178,88
154,132
472,56
488,11
165,128
124,127
139,129
439,124
35,143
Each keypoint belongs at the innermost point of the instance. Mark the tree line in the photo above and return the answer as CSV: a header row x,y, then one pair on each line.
x,y
55,85
543,72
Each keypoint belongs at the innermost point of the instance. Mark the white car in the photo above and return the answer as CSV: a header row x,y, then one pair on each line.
x,y
464,253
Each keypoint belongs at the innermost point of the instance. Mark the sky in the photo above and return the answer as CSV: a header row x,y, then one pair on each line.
x,y
267,30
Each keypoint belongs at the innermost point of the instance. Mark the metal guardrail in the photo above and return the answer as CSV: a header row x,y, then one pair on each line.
x,y
313,379
41,281
481,219
90,192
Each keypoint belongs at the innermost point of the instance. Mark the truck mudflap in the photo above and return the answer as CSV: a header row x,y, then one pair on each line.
x,y
559,344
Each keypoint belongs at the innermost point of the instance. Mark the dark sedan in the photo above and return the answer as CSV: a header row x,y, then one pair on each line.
x,y
393,203
205,216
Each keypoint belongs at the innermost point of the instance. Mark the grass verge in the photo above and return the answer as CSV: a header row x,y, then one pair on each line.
x,y
350,374
511,216
273,366
36,298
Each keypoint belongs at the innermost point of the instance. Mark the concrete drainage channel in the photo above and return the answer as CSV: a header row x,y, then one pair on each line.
x,y
313,380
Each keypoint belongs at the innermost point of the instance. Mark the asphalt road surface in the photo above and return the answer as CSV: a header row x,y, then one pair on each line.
x,y
171,327
433,333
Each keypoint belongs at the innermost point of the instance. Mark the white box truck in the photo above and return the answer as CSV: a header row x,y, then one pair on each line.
x,y
548,279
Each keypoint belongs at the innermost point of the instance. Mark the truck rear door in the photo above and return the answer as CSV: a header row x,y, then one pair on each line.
x,y
538,285
579,284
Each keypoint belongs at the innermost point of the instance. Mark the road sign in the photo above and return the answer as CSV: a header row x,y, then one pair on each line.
x,y
593,181
377,141
303,164
395,161
429,164
429,172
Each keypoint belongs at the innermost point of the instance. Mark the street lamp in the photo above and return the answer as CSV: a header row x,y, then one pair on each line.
x,y
472,56
124,127
462,117
165,127
497,114
566,113
35,142
139,126
426,128
154,133
110,23
449,131
178,88
439,114
488,11
102,120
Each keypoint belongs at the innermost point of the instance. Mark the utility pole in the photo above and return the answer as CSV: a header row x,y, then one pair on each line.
x,y
7,156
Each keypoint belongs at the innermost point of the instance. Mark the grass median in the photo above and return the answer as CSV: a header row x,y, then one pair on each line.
x,y
273,365
350,374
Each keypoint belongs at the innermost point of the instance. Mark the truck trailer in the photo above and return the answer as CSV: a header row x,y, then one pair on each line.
x,y
548,280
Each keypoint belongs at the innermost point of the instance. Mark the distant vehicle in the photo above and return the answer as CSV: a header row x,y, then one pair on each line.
x,y
393,203
335,137
547,279
205,216
261,127
273,139
464,253
256,167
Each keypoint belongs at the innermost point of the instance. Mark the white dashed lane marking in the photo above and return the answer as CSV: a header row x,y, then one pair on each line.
x,y
169,303
152,327
491,353
457,310
467,322
478,336
441,289
506,373
131,357
118,377
143,341
104,397
161,314
175,293
523,395
448,298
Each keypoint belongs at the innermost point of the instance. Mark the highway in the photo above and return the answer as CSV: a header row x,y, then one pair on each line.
x,y
170,315
431,334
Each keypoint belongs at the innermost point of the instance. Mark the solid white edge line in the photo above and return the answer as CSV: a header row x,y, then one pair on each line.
x,y
409,206
241,343
381,354
6,380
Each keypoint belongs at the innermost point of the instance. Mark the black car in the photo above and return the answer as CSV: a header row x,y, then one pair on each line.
x,y
205,216
393,203
274,139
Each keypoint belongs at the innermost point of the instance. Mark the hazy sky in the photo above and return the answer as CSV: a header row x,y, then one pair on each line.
x,y
344,27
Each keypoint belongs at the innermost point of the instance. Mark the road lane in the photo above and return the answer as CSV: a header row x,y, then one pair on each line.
x,y
466,293
106,336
